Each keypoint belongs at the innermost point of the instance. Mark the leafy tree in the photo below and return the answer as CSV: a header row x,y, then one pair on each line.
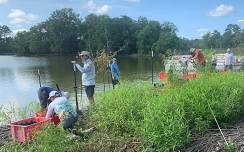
x,y
148,36
142,22
63,27
21,43
96,32
168,39
232,36
212,39
39,39
5,32
123,34
5,39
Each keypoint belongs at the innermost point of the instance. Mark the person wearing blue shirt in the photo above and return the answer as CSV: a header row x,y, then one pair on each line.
x,y
88,74
115,72
43,95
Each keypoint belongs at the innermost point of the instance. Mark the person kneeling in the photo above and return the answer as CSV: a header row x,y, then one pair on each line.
x,y
62,107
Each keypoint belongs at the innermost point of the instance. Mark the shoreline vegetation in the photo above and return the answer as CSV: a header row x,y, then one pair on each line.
x,y
136,116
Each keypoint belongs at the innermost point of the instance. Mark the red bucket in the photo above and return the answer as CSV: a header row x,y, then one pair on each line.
x,y
55,119
162,75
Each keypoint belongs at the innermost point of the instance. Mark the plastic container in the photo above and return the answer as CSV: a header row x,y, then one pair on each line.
x,y
55,119
190,76
25,130
162,75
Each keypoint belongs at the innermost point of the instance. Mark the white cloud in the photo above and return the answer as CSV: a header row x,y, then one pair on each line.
x,y
221,10
202,31
3,1
93,7
240,22
18,30
133,1
18,16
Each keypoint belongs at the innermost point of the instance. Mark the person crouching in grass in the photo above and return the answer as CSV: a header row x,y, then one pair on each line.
x,y
63,108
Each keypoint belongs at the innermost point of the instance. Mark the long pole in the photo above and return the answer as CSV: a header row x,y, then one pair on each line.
x,y
39,77
75,87
81,90
108,75
152,66
57,87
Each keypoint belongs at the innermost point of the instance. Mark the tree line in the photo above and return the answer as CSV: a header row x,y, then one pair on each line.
x,y
65,32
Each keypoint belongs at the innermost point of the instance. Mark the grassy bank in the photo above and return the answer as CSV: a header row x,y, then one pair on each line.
x,y
143,118
165,121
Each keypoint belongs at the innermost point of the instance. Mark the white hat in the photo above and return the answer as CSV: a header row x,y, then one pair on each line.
x,y
54,94
84,53
228,50
114,59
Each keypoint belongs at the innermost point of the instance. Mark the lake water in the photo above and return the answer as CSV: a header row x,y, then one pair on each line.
x,y
19,76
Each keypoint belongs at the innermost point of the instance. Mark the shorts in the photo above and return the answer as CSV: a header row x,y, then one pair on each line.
x,y
89,90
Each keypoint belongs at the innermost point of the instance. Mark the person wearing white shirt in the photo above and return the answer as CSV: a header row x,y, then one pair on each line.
x,y
229,59
88,74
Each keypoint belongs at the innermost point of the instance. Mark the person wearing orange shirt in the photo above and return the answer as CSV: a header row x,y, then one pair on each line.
x,y
198,56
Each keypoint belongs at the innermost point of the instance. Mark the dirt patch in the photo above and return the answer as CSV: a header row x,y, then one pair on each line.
x,y
213,141
4,134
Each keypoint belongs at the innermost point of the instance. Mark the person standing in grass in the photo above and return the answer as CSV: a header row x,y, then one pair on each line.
x,y
63,108
229,59
88,75
115,72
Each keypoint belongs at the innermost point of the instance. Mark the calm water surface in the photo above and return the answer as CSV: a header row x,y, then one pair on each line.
x,y
19,77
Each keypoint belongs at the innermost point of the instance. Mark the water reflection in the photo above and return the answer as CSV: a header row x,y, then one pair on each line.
x,y
19,76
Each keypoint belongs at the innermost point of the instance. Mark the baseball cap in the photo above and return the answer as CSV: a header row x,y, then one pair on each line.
x,y
84,53
114,59
54,94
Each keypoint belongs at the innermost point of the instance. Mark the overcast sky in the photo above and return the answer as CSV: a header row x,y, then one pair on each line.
x,y
192,17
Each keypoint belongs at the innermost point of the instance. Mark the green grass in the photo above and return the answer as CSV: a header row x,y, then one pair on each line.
x,y
49,140
163,121
166,121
